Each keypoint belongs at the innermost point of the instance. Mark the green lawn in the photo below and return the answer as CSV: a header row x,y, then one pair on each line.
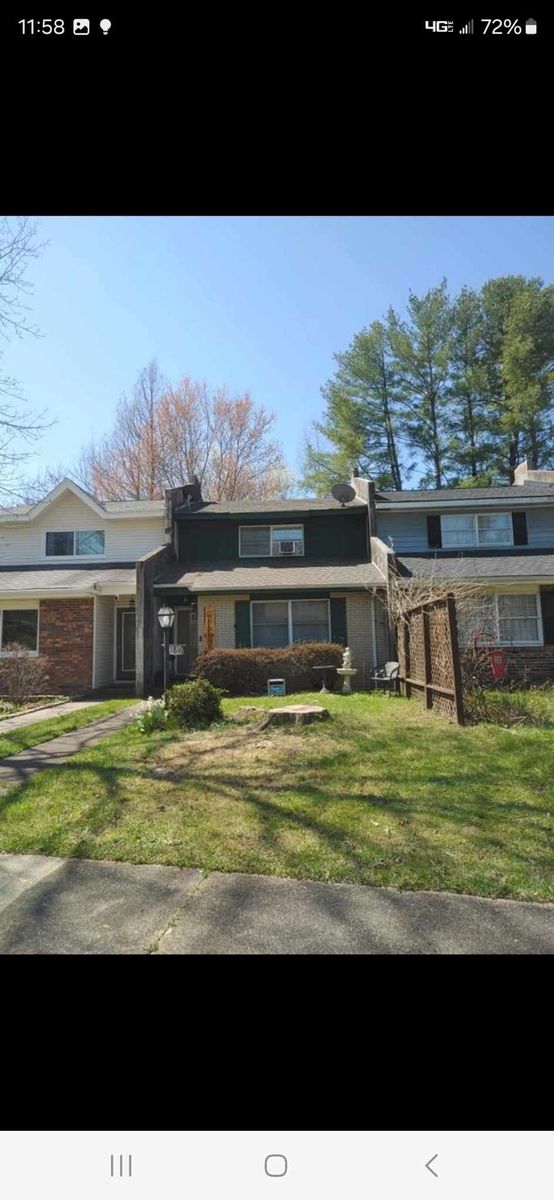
x,y
384,793
42,731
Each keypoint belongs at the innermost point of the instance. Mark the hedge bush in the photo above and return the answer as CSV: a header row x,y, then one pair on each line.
x,y
246,672
194,703
22,675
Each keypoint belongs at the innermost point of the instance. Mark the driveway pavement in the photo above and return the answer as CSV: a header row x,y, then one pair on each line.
x,y
77,906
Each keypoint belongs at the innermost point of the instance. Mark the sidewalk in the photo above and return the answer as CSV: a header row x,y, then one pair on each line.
x,y
77,906
18,767
43,714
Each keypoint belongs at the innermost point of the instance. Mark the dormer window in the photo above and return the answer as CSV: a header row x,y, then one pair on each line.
x,y
75,543
477,529
270,541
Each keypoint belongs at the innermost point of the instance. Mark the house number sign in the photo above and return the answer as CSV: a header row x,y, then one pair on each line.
x,y
177,649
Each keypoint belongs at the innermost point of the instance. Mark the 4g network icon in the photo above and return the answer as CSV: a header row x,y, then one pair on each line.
x,y
439,26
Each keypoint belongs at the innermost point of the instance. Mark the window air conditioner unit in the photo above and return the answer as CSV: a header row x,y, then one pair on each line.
x,y
288,547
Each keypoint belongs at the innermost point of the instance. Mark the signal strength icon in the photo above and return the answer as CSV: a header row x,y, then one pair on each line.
x,y
469,28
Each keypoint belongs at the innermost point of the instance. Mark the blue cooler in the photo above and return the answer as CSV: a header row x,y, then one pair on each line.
x,y
276,687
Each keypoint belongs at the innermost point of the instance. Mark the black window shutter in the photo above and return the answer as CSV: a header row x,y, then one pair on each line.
x,y
242,623
338,620
434,535
547,606
519,526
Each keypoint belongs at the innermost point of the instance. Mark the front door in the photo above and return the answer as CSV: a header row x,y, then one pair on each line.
x,y
184,633
125,643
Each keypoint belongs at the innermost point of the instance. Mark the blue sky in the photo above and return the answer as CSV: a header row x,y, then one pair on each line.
x,y
256,303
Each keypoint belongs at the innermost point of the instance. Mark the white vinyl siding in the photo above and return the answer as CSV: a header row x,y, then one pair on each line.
x,y
276,623
271,541
476,529
503,619
125,540
540,527
407,531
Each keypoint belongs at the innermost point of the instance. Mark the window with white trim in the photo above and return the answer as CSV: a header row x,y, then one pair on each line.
x,y
270,541
75,543
277,623
477,529
19,626
502,618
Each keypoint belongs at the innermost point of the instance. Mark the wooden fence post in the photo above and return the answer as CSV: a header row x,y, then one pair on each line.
x,y
427,658
454,650
407,664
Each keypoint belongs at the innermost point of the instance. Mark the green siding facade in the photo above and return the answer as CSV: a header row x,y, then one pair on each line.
x,y
340,535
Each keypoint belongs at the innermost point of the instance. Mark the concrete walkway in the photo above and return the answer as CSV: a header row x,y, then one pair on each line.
x,y
43,714
19,767
76,906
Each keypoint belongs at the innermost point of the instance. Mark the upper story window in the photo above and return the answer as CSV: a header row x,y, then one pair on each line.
x,y
265,541
78,543
477,529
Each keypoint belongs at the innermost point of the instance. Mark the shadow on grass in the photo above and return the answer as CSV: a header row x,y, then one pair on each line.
x,y
412,857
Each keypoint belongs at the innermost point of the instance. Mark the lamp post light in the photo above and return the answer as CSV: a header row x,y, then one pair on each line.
x,y
166,617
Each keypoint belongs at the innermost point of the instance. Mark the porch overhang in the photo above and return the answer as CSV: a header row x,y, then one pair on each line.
x,y
67,582
231,577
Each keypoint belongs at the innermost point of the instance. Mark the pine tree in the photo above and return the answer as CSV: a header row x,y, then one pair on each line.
x,y
528,371
421,349
360,420
471,439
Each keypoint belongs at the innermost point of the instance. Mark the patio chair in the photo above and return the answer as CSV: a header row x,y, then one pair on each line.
x,y
386,677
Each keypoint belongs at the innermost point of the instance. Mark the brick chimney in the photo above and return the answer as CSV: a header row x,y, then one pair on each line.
x,y
187,494
525,474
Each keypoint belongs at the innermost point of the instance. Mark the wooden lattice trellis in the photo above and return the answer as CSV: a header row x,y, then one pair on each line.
x,y
429,657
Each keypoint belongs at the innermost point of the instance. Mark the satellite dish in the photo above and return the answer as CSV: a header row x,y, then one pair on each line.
x,y
343,492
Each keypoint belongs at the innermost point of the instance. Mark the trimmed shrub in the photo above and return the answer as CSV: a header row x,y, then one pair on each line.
x,y
22,675
194,703
246,672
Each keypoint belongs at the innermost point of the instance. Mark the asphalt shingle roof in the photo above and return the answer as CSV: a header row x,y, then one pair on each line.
x,y
78,579
234,577
236,507
142,508
509,492
519,565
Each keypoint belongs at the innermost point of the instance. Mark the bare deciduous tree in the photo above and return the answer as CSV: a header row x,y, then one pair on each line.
x,y
126,463
33,490
18,427
408,592
163,435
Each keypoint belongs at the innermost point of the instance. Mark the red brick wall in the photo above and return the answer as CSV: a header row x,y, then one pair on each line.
x,y
65,637
530,664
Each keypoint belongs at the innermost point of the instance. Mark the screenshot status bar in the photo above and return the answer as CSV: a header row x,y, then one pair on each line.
x,y
485,26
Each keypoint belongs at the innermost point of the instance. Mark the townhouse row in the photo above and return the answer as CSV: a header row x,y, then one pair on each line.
x,y
81,580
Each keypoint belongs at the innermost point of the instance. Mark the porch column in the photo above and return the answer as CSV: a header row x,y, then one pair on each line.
x,y
148,568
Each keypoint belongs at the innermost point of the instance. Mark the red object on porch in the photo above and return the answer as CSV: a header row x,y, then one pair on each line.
x,y
497,659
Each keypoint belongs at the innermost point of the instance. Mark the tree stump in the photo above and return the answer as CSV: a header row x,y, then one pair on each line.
x,y
298,714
